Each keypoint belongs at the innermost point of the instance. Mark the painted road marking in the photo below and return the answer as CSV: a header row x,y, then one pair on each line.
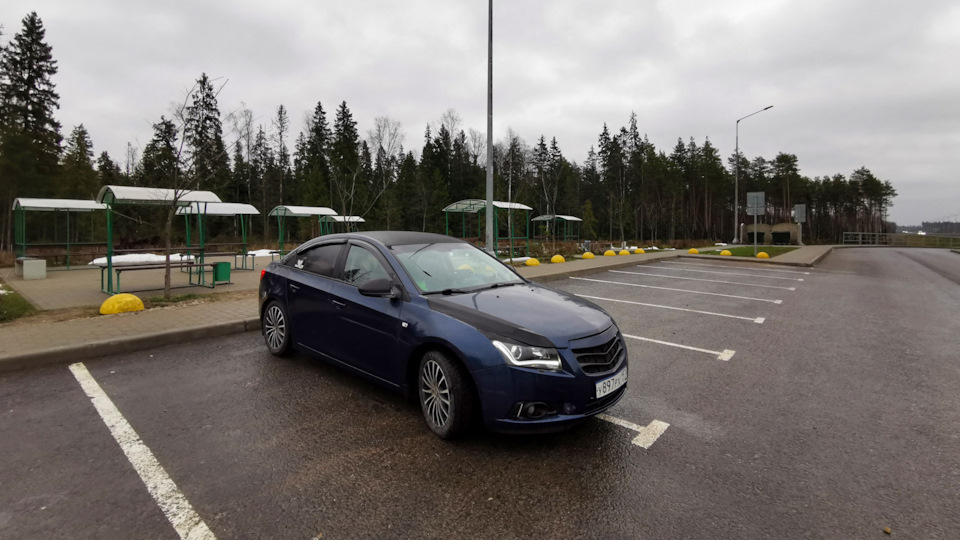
x,y
740,267
724,355
658,267
647,435
707,280
679,290
174,505
758,320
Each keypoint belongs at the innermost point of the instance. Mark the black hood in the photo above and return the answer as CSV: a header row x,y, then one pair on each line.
x,y
527,313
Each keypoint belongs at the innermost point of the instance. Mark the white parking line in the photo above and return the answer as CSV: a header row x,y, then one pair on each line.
x,y
646,435
724,355
679,290
658,267
707,280
174,505
739,267
758,320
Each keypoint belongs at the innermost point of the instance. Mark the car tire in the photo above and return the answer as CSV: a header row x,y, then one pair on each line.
x,y
275,326
446,395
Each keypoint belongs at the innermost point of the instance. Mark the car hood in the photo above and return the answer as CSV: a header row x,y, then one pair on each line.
x,y
528,313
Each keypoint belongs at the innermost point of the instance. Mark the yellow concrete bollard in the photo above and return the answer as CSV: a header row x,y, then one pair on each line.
x,y
693,251
726,253
639,251
557,259
588,255
121,303
609,253
762,255
532,262
623,252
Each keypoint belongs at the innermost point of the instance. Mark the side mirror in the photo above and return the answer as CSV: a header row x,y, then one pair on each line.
x,y
379,287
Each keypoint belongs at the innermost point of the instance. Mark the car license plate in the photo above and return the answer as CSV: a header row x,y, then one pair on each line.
x,y
611,384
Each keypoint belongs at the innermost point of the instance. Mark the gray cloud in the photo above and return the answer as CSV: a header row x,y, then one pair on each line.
x,y
852,83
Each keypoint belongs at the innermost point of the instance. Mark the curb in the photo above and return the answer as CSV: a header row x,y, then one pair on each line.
x,y
110,347
594,269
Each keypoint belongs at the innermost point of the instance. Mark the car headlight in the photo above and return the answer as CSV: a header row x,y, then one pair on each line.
x,y
529,357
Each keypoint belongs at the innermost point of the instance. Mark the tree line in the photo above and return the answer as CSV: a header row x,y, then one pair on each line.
x,y
626,189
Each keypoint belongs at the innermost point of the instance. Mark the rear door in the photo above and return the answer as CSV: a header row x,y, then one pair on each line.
x,y
367,327
308,295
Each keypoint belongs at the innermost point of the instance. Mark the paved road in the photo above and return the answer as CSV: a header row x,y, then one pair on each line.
x,y
838,416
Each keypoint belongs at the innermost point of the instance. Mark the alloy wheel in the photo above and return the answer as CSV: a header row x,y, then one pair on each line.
x,y
436,393
274,327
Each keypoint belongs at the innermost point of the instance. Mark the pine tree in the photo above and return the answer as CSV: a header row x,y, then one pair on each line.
x,y
29,135
203,131
108,172
344,160
160,166
80,180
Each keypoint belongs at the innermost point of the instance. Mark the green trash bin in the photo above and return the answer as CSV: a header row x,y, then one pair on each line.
x,y
221,272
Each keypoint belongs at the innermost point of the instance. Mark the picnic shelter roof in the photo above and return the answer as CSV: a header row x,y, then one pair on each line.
x,y
475,205
301,211
49,205
145,195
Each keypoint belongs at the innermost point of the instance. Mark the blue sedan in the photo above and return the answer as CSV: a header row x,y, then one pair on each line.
x,y
434,316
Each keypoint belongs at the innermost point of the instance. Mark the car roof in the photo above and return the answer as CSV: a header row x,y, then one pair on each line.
x,y
396,238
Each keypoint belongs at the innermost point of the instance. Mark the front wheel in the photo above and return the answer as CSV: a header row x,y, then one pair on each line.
x,y
276,329
445,395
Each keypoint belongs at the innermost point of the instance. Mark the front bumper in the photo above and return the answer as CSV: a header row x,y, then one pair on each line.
x,y
568,395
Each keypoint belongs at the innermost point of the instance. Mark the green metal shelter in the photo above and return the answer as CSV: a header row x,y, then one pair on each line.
x,y
284,211
569,223
350,223
478,206
23,205
112,196
200,210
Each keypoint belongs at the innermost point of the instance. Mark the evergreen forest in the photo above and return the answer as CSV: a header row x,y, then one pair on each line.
x,y
627,188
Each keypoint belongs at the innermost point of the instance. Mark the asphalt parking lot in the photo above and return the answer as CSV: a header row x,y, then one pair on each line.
x,y
763,403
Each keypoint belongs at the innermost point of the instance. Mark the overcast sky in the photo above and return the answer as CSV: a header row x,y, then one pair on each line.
x,y
853,83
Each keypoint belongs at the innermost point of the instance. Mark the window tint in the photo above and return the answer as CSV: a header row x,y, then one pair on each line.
x,y
319,260
362,266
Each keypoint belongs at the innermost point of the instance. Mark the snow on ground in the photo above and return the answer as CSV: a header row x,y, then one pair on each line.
x,y
4,291
262,252
720,244
140,258
517,259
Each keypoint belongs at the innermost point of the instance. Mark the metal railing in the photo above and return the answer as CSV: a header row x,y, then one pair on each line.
x,y
898,239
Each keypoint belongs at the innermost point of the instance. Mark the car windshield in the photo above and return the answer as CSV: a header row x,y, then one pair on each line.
x,y
452,267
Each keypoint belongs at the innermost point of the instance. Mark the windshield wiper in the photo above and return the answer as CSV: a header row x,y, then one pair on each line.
x,y
503,284
448,292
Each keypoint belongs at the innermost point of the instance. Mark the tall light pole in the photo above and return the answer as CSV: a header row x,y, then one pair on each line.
x,y
736,181
489,243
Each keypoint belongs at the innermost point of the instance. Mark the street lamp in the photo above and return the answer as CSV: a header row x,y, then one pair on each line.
x,y
489,207
736,181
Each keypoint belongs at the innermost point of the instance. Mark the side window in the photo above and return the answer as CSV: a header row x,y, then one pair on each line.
x,y
362,266
319,260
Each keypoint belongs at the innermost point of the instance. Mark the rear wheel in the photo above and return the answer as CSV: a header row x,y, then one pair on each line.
x,y
445,395
276,329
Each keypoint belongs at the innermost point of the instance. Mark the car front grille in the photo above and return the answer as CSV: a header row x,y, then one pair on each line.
x,y
602,359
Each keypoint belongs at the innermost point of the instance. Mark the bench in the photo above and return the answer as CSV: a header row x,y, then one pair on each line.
x,y
156,266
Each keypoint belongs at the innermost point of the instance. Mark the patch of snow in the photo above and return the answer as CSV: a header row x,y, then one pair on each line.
x,y
720,244
4,291
140,258
654,248
261,252
517,259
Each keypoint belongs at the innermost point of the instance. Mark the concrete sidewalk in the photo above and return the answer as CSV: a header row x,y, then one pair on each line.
x,y
27,343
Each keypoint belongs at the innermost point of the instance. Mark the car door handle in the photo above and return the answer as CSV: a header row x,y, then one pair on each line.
x,y
294,288
340,305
